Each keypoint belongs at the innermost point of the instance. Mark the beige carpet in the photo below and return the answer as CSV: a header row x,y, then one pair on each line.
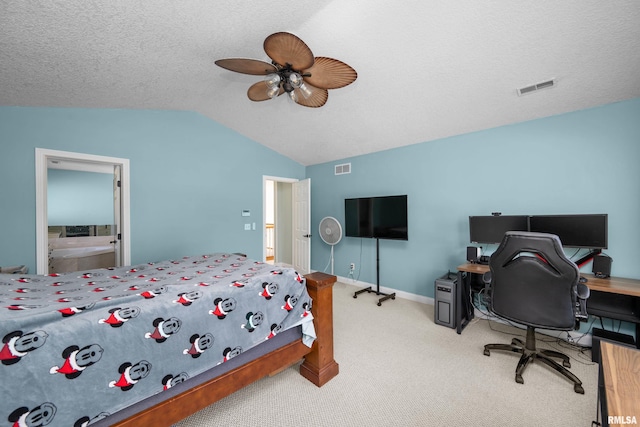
x,y
398,368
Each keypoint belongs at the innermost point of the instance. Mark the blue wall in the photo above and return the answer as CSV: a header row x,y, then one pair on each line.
x,y
582,162
190,178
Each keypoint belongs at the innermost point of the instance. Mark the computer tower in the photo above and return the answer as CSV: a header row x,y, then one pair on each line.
x,y
445,307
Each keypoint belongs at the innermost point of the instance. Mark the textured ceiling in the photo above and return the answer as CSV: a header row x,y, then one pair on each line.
x,y
426,69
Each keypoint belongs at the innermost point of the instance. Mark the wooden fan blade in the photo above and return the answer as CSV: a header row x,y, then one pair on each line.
x,y
329,73
247,66
317,98
258,92
285,48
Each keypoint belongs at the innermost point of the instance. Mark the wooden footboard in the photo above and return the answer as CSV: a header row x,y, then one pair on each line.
x,y
318,366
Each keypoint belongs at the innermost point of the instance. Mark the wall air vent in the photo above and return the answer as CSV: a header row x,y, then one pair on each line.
x,y
536,87
343,169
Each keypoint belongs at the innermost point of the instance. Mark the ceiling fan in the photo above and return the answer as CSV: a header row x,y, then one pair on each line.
x,y
293,70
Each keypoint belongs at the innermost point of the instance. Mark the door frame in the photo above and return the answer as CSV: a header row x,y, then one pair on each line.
x,y
91,161
276,179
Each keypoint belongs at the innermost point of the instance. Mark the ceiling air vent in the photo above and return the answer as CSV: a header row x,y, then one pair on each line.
x,y
536,87
343,169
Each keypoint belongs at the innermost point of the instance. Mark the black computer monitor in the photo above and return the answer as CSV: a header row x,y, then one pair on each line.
x,y
575,231
491,228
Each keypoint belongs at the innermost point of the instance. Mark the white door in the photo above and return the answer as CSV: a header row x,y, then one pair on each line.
x,y
117,213
302,226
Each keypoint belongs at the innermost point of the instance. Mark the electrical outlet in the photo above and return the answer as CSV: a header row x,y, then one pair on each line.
x,y
352,267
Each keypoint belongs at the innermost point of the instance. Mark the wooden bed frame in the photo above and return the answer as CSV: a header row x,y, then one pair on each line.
x,y
318,366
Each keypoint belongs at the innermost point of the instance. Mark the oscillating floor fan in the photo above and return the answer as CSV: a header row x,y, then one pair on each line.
x,y
330,233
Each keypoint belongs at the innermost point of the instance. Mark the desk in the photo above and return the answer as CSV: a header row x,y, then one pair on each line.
x,y
614,297
614,285
619,384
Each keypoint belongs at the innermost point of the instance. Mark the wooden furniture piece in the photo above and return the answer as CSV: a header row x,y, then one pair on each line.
x,y
612,297
615,298
619,385
318,366
614,285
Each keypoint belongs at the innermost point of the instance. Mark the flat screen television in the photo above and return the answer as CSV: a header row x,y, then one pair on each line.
x,y
377,217
491,228
575,231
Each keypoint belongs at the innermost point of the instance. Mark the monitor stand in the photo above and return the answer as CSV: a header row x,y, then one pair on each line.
x,y
377,291
588,257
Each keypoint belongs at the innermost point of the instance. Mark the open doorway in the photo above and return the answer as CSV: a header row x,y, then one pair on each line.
x,y
278,237
115,231
81,218
287,219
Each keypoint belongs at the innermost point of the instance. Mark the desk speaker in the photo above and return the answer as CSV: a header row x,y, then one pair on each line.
x,y
473,253
602,266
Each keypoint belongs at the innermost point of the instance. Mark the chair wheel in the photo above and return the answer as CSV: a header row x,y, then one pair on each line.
x,y
566,364
578,388
379,304
487,352
519,379
355,296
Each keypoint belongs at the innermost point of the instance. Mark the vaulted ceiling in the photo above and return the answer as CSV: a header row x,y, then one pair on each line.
x,y
426,69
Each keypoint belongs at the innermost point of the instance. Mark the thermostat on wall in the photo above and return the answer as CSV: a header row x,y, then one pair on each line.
x,y
246,212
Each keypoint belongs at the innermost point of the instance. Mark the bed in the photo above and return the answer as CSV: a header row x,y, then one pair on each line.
x,y
153,343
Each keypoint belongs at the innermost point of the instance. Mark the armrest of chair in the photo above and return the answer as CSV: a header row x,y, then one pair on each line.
x,y
582,292
486,277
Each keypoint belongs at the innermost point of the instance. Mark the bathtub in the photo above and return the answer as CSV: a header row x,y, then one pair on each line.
x,y
81,252
81,258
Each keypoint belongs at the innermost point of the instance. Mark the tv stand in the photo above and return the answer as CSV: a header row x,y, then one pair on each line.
x,y
377,291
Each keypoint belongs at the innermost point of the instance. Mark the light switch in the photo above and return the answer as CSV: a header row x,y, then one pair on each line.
x,y
247,227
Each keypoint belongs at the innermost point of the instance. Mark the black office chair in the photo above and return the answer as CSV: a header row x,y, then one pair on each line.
x,y
533,283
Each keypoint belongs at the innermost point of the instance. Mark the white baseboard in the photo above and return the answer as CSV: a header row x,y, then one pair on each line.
x,y
399,294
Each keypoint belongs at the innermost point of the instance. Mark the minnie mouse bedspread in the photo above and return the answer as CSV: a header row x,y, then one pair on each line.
x,y
79,346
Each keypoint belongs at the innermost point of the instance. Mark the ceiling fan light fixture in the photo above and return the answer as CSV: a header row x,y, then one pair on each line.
x,y
295,79
272,92
286,85
272,80
305,91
